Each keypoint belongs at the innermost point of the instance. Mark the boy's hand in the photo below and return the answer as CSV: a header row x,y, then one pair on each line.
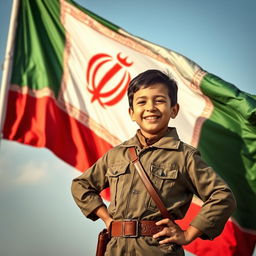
x,y
108,222
174,234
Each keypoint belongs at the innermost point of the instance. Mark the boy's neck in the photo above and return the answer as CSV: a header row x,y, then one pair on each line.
x,y
145,142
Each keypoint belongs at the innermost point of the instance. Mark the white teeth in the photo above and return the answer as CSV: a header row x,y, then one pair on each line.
x,y
151,117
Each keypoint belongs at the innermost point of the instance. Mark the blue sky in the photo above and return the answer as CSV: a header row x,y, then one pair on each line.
x,y
38,215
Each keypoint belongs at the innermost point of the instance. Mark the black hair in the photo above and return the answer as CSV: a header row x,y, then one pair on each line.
x,y
148,78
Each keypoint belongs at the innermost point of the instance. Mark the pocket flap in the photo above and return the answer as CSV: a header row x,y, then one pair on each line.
x,y
116,170
164,172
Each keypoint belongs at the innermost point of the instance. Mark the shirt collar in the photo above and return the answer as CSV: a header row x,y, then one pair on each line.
x,y
169,141
146,142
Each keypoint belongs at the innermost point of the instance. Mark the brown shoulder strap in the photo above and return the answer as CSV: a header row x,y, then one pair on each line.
x,y
148,184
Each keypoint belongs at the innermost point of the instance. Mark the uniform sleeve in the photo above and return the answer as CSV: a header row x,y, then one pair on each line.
x,y
218,200
87,187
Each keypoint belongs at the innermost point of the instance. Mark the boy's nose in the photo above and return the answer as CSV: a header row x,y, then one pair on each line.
x,y
150,106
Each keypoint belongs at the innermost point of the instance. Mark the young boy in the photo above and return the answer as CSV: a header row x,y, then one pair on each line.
x,y
175,168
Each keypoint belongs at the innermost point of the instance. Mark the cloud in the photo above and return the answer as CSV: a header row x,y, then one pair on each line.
x,y
21,165
31,173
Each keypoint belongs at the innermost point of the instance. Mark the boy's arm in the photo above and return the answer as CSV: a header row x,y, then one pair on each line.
x,y
87,187
102,213
218,199
219,203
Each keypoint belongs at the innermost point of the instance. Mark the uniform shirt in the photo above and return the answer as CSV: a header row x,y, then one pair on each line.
x,y
177,172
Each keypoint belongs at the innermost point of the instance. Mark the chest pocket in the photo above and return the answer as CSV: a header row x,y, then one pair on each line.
x,y
164,173
163,178
116,176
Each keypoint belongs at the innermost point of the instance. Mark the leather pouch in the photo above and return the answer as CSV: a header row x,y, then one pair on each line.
x,y
103,239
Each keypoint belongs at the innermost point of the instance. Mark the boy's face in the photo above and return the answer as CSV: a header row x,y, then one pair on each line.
x,y
152,109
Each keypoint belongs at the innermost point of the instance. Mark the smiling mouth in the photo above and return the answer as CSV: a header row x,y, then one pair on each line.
x,y
151,117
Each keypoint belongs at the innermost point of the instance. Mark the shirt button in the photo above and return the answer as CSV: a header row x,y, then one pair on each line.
x,y
134,191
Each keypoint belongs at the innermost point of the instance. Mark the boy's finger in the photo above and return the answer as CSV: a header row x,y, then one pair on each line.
x,y
163,222
167,222
166,240
161,233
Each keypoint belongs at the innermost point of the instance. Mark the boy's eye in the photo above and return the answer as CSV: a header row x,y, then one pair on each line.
x,y
141,102
160,101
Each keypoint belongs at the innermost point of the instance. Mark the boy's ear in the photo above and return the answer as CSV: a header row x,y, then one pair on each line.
x,y
131,114
175,110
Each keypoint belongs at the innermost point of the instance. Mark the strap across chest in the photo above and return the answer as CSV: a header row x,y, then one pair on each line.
x,y
148,184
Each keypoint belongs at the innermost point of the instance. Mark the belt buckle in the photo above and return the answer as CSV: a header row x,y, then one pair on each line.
x,y
136,226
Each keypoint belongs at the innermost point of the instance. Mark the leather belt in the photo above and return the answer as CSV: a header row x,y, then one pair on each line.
x,y
134,228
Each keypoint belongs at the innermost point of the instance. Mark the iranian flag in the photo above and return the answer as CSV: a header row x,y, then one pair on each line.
x,y
67,92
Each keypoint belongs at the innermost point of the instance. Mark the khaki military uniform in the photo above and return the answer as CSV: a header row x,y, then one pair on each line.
x,y
177,172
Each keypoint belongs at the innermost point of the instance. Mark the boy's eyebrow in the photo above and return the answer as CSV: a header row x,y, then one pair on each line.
x,y
155,96
141,97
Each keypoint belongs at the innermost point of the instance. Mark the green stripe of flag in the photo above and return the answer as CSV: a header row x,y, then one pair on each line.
x,y
40,46
228,143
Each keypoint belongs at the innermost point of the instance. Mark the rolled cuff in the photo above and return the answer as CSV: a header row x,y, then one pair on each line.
x,y
94,201
92,215
209,230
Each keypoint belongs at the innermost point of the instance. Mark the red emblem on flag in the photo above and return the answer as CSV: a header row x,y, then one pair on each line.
x,y
107,78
